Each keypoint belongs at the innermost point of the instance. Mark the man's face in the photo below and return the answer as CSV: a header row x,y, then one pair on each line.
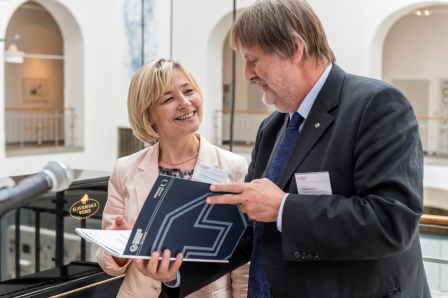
x,y
275,75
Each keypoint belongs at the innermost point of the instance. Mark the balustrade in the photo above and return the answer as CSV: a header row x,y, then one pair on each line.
x,y
23,126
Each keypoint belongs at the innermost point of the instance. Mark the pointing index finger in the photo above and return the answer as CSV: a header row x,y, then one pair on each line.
x,y
234,188
228,187
220,199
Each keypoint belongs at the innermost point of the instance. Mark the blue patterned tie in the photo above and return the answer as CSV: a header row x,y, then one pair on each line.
x,y
258,279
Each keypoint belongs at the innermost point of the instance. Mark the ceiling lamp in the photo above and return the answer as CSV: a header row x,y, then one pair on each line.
x,y
12,54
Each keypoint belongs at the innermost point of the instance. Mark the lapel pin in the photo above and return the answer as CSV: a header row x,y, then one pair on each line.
x,y
317,125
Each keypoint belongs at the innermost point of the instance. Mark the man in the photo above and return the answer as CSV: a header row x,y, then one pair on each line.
x,y
351,230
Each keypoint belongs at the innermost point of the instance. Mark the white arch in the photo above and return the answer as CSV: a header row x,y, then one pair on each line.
x,y
214,71
74,85
4,25
376,53
435,187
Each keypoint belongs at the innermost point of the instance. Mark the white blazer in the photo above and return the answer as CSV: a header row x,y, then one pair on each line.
x,y
131,180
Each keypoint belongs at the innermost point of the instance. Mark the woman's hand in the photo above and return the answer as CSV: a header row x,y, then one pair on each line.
x,y
162,270
120,224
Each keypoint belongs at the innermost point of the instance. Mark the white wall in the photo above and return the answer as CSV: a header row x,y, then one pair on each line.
x,y
241,85
101,99
199,31
355,29
39,35
416,49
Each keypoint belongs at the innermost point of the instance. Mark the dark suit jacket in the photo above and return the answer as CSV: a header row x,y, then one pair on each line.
x,y
363,240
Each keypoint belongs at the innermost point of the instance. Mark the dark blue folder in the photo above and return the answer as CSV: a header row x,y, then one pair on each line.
x,y
175,216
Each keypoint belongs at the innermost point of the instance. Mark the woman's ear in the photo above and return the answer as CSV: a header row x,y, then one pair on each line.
x,y
299,54
149,117
153,126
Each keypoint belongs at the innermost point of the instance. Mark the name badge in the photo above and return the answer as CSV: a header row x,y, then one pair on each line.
x,y
317,183
209,174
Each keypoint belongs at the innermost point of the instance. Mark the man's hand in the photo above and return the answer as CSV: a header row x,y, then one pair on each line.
x,y
162,270
259,199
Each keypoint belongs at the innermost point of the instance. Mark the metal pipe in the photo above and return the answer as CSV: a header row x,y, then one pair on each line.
x,y
143,31
17,242
37,240
232,106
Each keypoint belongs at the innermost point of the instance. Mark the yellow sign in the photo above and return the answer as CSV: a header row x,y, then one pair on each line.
x,y
84,208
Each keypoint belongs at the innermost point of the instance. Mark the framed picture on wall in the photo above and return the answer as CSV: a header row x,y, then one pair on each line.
x,y
35,90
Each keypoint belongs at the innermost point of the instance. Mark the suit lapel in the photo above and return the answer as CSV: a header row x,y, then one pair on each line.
x,y
308,137
318,121
149,171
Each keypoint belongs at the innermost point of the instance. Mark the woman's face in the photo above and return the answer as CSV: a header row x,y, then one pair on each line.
x,y
178,112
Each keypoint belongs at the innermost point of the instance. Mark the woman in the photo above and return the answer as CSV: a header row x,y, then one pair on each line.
x,y
165,111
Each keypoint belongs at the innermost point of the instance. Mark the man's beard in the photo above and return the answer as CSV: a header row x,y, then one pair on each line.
x,y
270,97
281,104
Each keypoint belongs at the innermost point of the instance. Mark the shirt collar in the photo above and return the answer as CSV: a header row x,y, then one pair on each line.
x,y
308,102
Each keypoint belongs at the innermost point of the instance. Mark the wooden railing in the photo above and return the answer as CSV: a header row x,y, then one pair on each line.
x,y
437,221
434,220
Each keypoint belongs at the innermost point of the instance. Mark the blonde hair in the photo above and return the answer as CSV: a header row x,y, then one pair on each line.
x,y
272,25
147,86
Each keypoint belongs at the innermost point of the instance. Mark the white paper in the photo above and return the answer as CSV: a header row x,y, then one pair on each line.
x,y
209,174
112,241
317,183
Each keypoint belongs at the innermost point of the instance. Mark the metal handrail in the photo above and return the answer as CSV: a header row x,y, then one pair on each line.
x,y
60,213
